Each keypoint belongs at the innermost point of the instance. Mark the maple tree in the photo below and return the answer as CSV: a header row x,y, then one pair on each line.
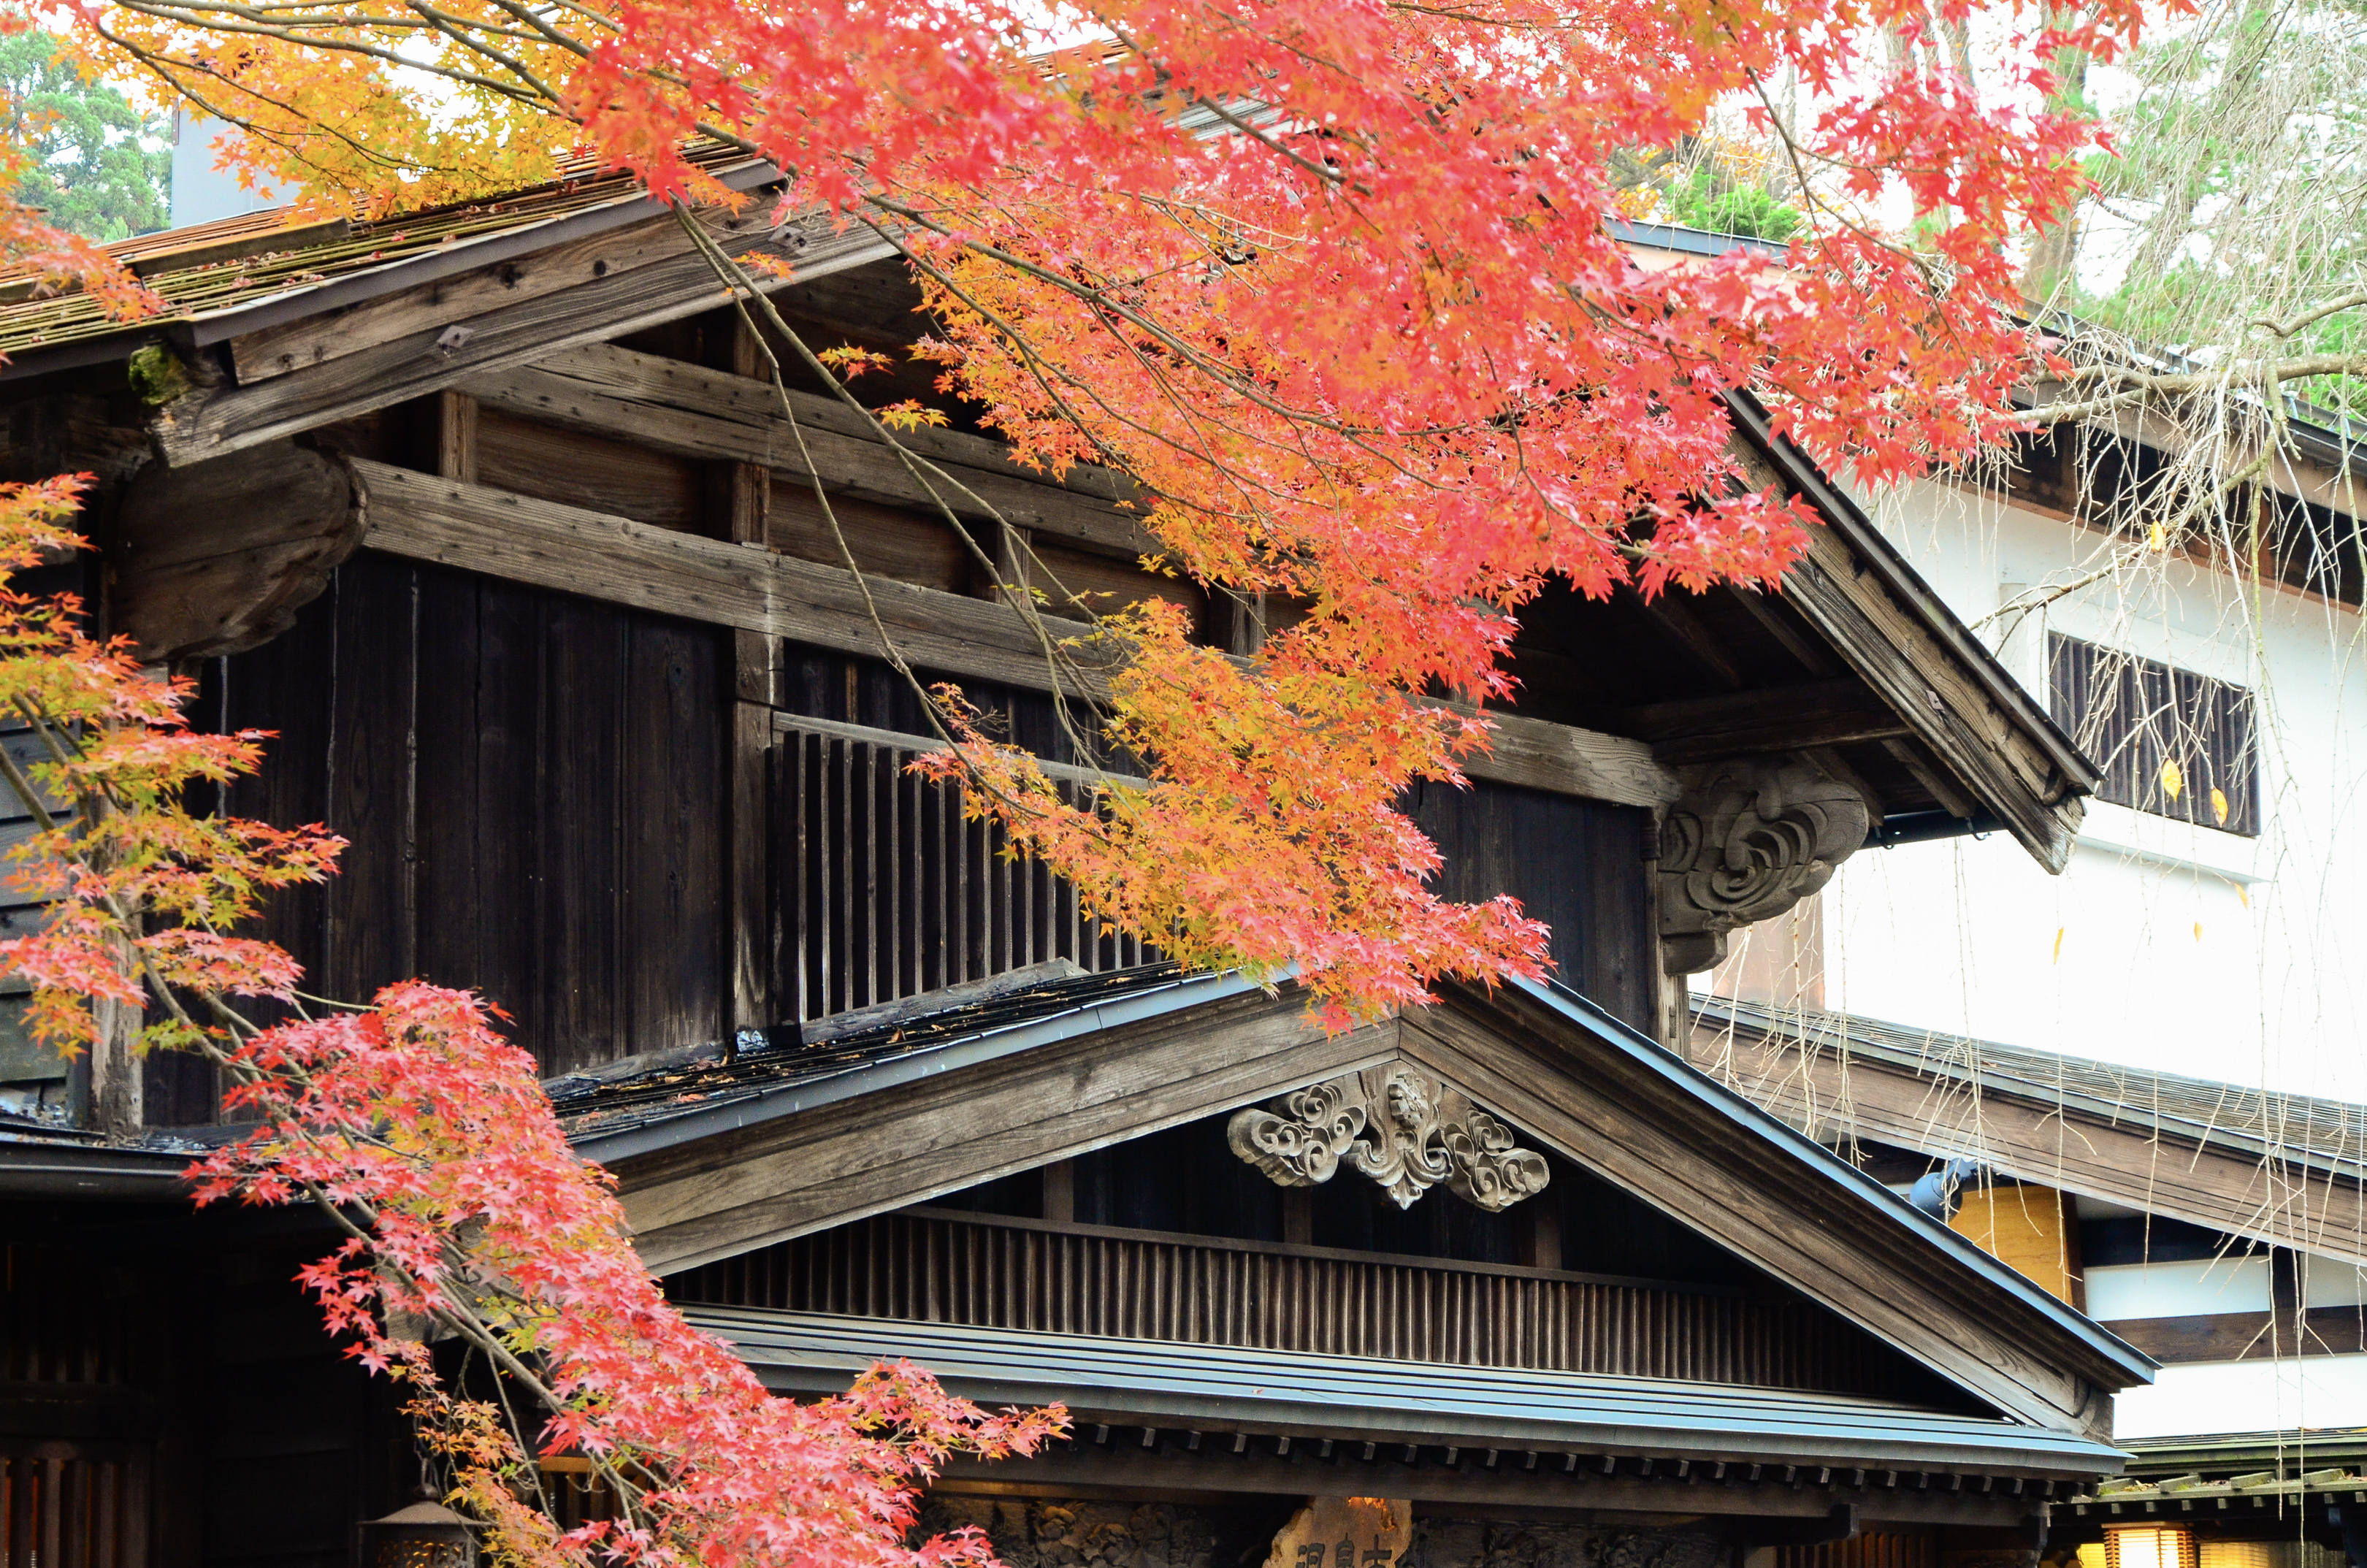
x,y
1336,284
427,1139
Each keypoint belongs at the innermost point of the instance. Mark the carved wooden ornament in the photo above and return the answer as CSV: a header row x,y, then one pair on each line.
x,y
1404,1130
1750,839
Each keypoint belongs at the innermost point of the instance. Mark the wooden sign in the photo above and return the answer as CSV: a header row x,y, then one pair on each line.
x,y
1345,1532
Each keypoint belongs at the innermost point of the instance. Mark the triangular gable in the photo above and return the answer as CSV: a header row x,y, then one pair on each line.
x,y
736,1171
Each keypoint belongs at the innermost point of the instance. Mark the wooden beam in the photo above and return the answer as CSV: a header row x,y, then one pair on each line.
x,y
436,335
1784,718
1127,1471
1999,764
2032,1141
1631,1126
275,524
456,436
2246,1336
687,409
476,528
813,1169
1671,616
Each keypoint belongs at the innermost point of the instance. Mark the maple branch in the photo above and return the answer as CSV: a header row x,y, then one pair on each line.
x,y
1064,671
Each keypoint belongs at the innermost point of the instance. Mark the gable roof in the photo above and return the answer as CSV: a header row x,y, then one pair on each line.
x,y
760,1152
2283,1168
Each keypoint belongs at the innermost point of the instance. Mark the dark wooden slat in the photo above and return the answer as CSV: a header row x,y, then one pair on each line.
x,y
673,406
581,875
373,739
1058,1278
674,947
2246,1336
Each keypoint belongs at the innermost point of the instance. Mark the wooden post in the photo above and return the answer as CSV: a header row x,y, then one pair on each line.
x,y
456,436
755,684
1060,1192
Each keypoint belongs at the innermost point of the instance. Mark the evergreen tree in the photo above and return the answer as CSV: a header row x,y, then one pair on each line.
x,y
95,164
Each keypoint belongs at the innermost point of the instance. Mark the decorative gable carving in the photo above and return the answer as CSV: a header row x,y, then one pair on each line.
x,y
1407,1132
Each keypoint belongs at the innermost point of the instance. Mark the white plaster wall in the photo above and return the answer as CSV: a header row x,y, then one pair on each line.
x,y
2208,1397
2163,945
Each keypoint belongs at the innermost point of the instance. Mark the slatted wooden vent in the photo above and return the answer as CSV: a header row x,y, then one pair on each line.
x,y
936,1268
73,1505
2147,725
888,893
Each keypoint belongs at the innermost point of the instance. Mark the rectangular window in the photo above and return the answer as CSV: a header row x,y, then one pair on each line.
x,y
2169,742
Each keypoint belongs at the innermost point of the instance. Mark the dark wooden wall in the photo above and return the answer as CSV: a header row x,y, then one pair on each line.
x,y
538,791
172,1398
533,785
1577,864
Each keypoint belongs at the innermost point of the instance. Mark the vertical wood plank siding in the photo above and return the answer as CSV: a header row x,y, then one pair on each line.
x,y
931,1269
886,891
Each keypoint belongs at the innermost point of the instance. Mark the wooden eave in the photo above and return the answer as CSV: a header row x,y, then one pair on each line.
x,y
1855,663
2220,1180
713,1183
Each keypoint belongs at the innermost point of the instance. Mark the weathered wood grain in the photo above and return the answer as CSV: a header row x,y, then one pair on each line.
x,y
675,406
219,557
838,1163
1770,719
1629,1127
392,361
608,558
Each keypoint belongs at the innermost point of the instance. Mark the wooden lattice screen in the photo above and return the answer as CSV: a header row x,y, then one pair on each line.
x,y
886,891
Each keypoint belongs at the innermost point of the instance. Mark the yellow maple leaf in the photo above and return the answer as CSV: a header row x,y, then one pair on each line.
x,y
2173,778
2219,806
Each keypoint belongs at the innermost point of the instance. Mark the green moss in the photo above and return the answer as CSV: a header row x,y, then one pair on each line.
x,y
157,375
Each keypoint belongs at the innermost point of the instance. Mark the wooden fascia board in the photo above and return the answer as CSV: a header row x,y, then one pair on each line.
x,y
1621,1118
516,537
1876,611
2265,1199
725,1195
215,420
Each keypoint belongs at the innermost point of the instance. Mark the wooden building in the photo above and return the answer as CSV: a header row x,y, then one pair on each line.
x,y
486,515
2220,1228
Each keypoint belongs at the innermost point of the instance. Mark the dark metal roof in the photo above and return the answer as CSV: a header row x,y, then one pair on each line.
x,y
1423,1401
615,1121
2251,1124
